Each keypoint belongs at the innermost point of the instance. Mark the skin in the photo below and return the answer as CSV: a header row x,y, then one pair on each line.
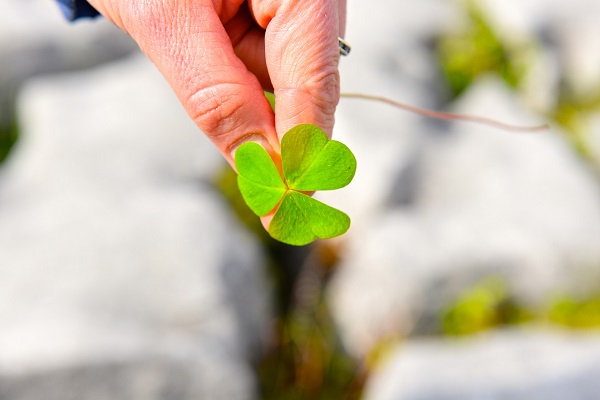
x,y
219,56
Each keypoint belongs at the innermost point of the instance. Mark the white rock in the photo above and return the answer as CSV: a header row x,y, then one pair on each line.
x,y
580,51
528,365
175,376
114,245
521,207
150,137
515,21
393,45
35,38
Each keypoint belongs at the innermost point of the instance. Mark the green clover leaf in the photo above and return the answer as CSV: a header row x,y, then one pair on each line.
x,y
310,162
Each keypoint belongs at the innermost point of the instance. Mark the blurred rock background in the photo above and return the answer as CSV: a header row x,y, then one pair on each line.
x,y
129,268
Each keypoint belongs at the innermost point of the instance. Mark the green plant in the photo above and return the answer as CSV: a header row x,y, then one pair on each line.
x,y
307,359
476,50
310,162
580,313
486,305
8,136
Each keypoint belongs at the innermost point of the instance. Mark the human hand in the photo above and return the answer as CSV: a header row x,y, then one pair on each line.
x,y
219,55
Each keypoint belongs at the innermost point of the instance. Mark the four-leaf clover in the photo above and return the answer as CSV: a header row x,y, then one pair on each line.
x,y
310,162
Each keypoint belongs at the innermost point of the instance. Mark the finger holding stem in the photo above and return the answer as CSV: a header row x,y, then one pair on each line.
x,y
301,49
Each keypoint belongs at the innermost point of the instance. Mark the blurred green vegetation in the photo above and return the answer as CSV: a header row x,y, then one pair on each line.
x,y
307,360
226,183
582,313
486,305
475,51
9,133
571,113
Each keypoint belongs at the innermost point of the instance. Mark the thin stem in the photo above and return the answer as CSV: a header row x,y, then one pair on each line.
x,y
447,115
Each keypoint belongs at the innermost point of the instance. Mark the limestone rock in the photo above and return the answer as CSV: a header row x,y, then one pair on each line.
x,y
117,249
528,365
35,38
177,377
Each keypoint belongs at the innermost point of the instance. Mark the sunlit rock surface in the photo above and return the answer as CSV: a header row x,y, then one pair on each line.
x,y
515,365
117,252
36,39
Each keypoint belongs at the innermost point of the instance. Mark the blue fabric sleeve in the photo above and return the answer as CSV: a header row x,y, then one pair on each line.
x,y
74,9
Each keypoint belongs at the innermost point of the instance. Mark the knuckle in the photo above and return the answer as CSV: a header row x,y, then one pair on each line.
x,y
216,109
324,89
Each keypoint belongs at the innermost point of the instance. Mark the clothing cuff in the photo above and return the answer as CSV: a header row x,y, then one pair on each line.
x,y
74,9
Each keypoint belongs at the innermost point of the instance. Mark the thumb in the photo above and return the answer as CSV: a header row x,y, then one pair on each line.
x,y
301,46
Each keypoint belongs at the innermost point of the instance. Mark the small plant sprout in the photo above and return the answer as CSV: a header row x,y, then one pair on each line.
x,y
310,162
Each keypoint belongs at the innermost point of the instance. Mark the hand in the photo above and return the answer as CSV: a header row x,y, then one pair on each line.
x,y
219,55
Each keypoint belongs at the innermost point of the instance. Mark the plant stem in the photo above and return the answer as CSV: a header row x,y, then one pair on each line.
x,y
447,115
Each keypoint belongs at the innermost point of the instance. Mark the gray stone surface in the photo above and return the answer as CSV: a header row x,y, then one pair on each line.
x,y
35,39
520,207
515,365
202,376
116,248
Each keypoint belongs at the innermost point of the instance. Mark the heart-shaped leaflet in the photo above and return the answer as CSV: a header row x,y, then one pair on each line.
x,y
310,162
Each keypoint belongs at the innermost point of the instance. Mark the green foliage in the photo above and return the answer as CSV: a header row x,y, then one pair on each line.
x,y
477,50
226,184
310,162
8,137
300,220
258,178
271,98
572,112
487,305
580,313
313,162
308,361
